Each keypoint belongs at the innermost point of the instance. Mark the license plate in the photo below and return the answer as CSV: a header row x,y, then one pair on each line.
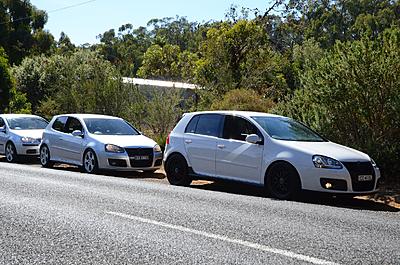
x,y
364,177
140,158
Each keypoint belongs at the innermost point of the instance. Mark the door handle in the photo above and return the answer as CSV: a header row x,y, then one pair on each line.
x,y
220,146
188,141
61,139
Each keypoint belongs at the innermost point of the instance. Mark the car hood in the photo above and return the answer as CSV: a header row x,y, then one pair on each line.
x,y
37,134
125,140
330,149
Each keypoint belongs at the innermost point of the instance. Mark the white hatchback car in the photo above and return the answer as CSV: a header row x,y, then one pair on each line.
x,y
274,151
20,135
96,142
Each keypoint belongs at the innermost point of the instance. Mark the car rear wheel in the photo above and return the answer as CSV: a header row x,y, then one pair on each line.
x,y
282,181
11,153
90,164
45,156
177,171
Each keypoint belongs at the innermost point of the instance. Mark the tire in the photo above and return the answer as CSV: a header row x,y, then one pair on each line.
x,y
11,153
90,163
282,181
177,171
45,157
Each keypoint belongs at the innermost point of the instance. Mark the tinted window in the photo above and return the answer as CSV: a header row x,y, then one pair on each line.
x,y
104,126
73,124
27,123
2,122
282,128
191,127
59,123
209,124
238,128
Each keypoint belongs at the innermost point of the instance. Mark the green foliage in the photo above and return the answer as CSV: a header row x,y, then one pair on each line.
x,y
6,83
352,95
168,62
239,55
18,103
21,30
243,99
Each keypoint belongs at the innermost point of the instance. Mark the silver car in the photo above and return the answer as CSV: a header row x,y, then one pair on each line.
x,y
20,135
96,142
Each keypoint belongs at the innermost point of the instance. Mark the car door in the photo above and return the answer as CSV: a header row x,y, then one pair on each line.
x,y
55,138
73,145
235,158
200,139
3,136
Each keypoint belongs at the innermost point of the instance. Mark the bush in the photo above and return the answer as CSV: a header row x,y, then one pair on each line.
x,y
352,96
243,99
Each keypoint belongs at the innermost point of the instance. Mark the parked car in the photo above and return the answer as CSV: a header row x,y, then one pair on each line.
x,y
20,135
96,142
277,152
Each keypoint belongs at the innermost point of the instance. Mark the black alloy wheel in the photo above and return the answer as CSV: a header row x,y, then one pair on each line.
x,y
177,171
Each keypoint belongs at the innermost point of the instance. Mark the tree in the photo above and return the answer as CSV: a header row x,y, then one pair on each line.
x,y
6,83
21,30
238,55
352,95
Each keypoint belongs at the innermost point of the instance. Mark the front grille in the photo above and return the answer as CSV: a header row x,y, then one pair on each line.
x,y
133,152
361,168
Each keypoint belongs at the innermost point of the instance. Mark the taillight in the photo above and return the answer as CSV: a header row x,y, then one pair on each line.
x,y
167,141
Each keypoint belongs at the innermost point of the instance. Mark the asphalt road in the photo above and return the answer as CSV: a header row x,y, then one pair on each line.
x,y
61,216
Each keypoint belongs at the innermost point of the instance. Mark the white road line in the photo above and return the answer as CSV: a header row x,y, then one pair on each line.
x,y
282,252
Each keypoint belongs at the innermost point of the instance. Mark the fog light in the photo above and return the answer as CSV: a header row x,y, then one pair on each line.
x,y
328,185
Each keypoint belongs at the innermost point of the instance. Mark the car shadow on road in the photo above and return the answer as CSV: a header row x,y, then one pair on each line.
x,y
305,197
34,161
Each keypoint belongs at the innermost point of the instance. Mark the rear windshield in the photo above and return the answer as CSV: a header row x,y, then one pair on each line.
x,y
27,123
109,127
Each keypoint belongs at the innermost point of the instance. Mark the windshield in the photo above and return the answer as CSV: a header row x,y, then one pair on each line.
x,y
109,127
281,128
27,123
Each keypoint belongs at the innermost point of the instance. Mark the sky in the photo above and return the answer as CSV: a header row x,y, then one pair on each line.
x,y
88,19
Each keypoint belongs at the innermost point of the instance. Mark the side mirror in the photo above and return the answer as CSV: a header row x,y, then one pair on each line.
x,y
3,129
253,138
77,133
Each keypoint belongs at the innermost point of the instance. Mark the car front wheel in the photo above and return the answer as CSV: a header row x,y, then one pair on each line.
x,y
11,153
177,171
282,181
90,164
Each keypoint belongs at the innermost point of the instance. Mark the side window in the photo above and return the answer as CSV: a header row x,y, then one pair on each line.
x,y
73,124
209,124
2,122
191,127
238,128
59,123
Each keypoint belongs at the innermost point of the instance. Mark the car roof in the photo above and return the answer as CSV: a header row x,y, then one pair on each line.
x,y
236,112
88,116
10,116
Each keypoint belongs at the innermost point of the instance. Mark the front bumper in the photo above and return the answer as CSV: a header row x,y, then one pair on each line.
x,y
27,149
122,162
339,181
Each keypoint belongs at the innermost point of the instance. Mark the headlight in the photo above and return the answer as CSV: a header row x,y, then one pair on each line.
x,y
326,162
373,163
111,148
157,148
28,140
